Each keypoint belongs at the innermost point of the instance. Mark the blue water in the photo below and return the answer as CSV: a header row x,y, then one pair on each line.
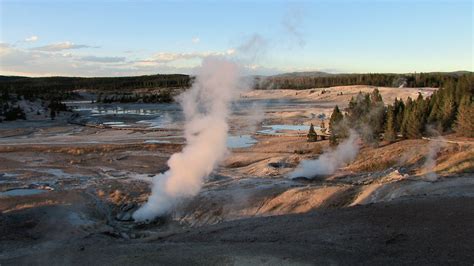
x,y
242,141
170,115
156,141
130,114
281,129
22,192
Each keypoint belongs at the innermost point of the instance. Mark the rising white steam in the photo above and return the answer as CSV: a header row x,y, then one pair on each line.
x,y
206,107
330,161
292,25
429,166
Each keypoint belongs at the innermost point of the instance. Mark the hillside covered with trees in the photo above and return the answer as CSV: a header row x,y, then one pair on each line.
x,y
52,90
407,118
64,87
311,80
449,109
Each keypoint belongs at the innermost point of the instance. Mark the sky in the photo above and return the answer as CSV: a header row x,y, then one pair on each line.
x,y
124,38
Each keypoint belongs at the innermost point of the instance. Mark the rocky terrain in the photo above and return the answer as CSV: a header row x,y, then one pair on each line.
x,y
67,194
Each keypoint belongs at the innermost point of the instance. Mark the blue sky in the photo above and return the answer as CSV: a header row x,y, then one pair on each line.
x,y
117,38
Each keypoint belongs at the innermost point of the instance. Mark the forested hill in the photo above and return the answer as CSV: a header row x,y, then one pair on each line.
x,y
458,88
63,85
294,80
308,80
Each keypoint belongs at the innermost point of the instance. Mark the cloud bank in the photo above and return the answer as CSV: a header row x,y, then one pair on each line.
x,y
65,59
55,47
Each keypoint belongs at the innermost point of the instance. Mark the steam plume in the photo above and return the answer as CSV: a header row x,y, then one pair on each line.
x,y
292,24
206,107
330,161
429,166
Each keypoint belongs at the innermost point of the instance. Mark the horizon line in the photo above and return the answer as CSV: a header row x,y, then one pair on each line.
x,y
255,75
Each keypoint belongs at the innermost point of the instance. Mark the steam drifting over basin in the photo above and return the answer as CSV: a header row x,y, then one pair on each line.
x,y
330,161
206,107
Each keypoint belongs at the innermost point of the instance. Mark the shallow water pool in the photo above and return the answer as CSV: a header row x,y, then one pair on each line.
x,y
22,192
240,141
280,129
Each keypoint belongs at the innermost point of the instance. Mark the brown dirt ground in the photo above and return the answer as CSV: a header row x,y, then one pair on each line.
x,y
418,231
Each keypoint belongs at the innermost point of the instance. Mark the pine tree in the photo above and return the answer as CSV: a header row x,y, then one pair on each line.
x,y
422,108
335,126
376,114
405,117
336,118
462,88
465,117
390,134
312,136
434,117
448,112
358,109
399,107
414,126
414,120
52,114
375,96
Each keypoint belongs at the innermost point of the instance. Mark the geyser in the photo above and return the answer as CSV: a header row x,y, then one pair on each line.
x,y
206,107
330,161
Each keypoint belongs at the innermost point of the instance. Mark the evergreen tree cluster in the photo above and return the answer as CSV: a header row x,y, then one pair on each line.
x,y
46,88
55,107
365,114
9,109
449,109
163,96
11,112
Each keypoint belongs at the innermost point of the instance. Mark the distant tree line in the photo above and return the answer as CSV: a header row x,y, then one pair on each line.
x,y
65,87
164,96
54,90
380,80
449,109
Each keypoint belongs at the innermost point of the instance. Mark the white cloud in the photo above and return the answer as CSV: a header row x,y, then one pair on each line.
x,y
64,62
195,40
166,57
4,46
11,56
61,46
32,38
103,59
28,62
